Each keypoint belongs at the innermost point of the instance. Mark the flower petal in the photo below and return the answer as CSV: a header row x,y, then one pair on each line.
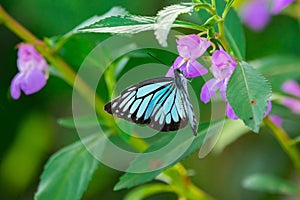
x,y
279,5
179,62
192,46
29,57
292,104
15,89
209,90
269,108
33,82
223,64
256,14
230,113
291,87
276,119
194,69
223,90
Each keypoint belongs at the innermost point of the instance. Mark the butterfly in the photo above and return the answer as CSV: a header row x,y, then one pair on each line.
x,y
161,103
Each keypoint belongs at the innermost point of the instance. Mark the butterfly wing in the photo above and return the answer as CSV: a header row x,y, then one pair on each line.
x,y
157,102
190,112
181,84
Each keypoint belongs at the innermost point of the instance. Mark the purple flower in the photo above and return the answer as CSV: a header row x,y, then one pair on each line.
x,y
33,72
230,113
257,13
279,5
190,47
293,88
222,67
276,119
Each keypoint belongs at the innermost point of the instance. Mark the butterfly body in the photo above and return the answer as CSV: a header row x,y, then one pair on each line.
x,y
161,103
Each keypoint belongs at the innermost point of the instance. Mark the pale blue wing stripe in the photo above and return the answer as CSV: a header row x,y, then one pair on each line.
x,y
127,99
135,105
179,106
166,94
158,114
161,119
160,98
149,88
143,106
169,102
174,114
126,107
168,118
153,102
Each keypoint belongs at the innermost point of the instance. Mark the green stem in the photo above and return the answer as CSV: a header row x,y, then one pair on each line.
x,y
286,143
221,35
213,4
182,185
227,9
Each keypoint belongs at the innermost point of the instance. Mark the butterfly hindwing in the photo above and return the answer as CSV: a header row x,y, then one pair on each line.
x,y
157,102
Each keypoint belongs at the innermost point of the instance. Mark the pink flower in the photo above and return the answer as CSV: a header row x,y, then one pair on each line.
x,y
190,47
257,13
276,119
279,5
293,88
222,67
230,113
33,72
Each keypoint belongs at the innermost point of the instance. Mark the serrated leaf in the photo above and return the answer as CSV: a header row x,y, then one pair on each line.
x,y
248,93
121,24
68,172
269,183
131,24
115,11
234,34
166,18
129,180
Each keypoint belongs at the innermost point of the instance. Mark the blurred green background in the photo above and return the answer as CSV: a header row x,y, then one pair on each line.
x,y
29,129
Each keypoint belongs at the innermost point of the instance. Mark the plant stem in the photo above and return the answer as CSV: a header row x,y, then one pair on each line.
x,y
213,4
286,143
181,184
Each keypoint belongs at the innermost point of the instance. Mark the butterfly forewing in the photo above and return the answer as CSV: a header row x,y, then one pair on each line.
x,y
157,102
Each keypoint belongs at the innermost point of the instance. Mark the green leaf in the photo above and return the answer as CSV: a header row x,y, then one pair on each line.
x,y
269,183
68,172
166,18
248,93
147,190
131,24
121,24
129,180
115,11
234,34
81,122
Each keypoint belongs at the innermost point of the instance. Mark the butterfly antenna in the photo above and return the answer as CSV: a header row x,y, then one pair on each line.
x,y
155,58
